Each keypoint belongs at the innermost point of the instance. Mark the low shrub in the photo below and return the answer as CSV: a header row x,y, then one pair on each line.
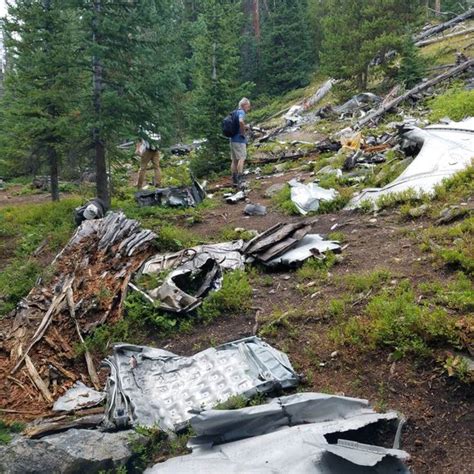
x,y
234,296
457,104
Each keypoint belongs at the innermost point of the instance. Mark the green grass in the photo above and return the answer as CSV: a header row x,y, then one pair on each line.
x,y
282,201
363,282
457,294
453,245
234,296
456,103
140,318
8,429
28,226
394,319
315,268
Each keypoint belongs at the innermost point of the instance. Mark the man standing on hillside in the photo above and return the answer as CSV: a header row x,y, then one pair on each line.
x,y
238,144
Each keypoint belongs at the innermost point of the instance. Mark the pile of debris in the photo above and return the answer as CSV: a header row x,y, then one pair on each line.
x,y
187,276
173,196
179,282
304,433
87,289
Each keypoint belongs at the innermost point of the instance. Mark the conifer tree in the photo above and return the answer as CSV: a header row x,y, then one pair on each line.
x,y
285,52
216,85
128,45
40,85
355,32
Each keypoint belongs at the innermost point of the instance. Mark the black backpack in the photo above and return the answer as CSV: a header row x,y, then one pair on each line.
x,y
231,125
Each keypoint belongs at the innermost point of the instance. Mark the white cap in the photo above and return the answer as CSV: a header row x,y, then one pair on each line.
x,y
91,212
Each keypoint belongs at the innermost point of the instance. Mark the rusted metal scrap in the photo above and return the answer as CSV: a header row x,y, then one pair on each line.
x,y
88,286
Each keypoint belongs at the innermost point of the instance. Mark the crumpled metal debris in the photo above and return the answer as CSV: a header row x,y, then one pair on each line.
x,y
310,245
307,197
93,209
189,275
154,387
302,433
363,101
79,396
445,150
287,244
236,197
275,241
174,196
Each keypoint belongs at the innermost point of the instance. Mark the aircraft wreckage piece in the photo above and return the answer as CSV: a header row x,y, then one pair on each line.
x,y
79,396
153,387
183,196
302,433
306,197
310,245
191,275
445,150
287,244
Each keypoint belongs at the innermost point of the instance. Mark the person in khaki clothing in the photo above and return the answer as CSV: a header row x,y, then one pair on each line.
x,y
238,144
148,153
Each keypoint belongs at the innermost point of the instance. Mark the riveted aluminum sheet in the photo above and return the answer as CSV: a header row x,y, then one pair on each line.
x,y
152,387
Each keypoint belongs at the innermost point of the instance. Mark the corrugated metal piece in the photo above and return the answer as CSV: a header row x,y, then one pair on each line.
x,y
446,150
288,435
152,387
308,246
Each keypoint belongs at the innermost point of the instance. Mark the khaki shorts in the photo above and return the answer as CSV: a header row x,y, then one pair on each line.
x,y
238,151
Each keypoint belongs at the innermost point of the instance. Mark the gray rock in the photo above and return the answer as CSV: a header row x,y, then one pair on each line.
x,y
255,210
451,213
71,452
274,189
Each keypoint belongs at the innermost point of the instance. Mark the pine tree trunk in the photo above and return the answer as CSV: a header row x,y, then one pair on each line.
x,y
53,172
99,147
256,19
437,7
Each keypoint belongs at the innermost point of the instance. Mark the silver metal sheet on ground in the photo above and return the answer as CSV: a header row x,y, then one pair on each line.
x,y
306,197
309,246
447,149
288,435
152,387
79,396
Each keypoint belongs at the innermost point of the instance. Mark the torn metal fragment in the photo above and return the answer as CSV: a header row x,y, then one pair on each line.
x,y
445,150
307,197
309,246
302,434
189,275
163,389
184,196
78,397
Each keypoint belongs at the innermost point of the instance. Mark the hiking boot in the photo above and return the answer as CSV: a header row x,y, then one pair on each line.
x,y
235,180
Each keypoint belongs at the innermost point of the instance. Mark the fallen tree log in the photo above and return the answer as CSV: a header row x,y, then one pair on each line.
x,y
423,43
419,88
444,26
